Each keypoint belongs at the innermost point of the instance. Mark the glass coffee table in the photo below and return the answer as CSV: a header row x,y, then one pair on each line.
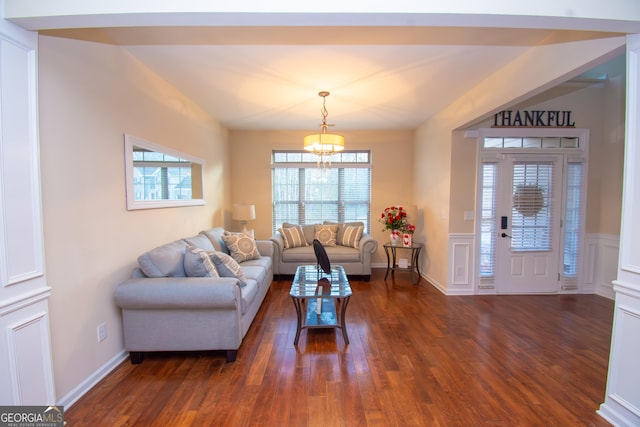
x,y
320,299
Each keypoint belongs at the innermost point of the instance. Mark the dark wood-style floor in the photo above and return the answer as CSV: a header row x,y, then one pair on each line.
x,y
416,358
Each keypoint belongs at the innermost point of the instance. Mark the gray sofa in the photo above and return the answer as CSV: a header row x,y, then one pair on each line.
x,y
355,260
172,311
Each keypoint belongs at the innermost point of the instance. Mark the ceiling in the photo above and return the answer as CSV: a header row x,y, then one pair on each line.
x,y
380,78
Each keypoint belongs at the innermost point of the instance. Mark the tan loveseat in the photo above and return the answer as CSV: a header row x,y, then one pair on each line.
x,y
350,251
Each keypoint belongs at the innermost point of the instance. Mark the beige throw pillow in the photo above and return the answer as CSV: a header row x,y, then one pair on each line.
x,y
326,234
242,247
350,236
293,237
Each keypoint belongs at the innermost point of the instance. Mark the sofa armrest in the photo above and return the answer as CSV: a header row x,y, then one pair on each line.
x,y
179,292
368,245
278,247
265,247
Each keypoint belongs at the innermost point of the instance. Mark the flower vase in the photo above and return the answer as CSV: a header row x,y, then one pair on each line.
x,y
407,240
394,237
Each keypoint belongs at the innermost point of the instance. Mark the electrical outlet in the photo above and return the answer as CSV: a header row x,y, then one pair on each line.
x,y
102,332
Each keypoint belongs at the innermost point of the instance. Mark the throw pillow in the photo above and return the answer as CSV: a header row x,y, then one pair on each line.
x,y
326,234
308,231
350,236
293,237
164,261
228,267
242,247
198,263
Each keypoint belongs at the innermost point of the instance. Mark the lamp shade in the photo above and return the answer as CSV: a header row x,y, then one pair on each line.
x,y
244,212
324,143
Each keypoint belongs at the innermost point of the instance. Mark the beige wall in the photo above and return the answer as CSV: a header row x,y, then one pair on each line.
x,y
391,181
540,67
599,108
89,96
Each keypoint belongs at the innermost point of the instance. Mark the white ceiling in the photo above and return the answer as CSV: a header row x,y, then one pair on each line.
x,y
257,78
388,65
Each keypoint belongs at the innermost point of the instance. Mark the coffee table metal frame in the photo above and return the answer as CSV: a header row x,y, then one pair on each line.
x,y
335,296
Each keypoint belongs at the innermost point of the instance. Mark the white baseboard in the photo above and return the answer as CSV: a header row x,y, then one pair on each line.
x,y
93,379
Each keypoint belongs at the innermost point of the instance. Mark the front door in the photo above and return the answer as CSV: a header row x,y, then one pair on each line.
x,y
528,207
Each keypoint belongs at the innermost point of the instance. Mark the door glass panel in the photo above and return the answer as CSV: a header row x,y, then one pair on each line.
x,y
531,206
488,221
572,223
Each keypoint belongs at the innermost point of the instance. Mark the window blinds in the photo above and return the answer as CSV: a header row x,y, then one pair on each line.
x,y
303,194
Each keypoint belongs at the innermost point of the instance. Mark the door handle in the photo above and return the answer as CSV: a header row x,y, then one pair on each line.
x,y
505,235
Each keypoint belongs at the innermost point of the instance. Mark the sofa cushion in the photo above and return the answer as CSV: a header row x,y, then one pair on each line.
x,y
293,237
326,234
350,236
304,255
228,267
248,294
215,237
200,241
242,247
263,262
343,254
198,263
164,261
254,272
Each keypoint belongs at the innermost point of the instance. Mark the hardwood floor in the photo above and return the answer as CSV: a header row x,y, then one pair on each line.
x,y
416,358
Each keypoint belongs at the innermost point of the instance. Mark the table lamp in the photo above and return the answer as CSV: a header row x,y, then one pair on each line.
x,y
244,213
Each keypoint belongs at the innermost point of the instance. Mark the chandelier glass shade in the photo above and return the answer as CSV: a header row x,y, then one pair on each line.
x,y
324,144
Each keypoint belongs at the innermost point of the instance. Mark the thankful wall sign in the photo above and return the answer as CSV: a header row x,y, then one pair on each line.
x,y
533,119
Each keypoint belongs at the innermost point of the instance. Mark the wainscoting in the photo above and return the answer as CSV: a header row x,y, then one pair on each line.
x,y
600,263
26,369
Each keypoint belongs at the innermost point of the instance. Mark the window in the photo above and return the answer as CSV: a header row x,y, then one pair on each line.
x,y
304,193
531,218
159,177
488,222
573,224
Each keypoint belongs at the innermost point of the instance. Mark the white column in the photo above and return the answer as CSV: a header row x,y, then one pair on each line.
x,y
622,401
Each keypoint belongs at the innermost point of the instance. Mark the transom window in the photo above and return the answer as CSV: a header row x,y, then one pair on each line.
x,y
532,142
304,193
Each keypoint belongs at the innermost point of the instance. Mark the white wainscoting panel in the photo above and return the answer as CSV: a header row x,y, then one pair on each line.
x,y
461,264
26,369
600,264
20,216
622,405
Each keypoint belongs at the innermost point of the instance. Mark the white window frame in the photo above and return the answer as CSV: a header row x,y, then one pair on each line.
x,y
309,161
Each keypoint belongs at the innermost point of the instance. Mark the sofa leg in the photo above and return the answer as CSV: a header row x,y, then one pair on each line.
x,y
367,278
231,355
136,357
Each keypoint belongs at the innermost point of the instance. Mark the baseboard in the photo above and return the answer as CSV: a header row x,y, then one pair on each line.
x,y
93,379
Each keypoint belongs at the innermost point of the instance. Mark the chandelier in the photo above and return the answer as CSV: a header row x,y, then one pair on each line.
x,y
324,144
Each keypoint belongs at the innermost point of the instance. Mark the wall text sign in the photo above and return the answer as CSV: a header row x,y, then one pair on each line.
x,y
534,118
